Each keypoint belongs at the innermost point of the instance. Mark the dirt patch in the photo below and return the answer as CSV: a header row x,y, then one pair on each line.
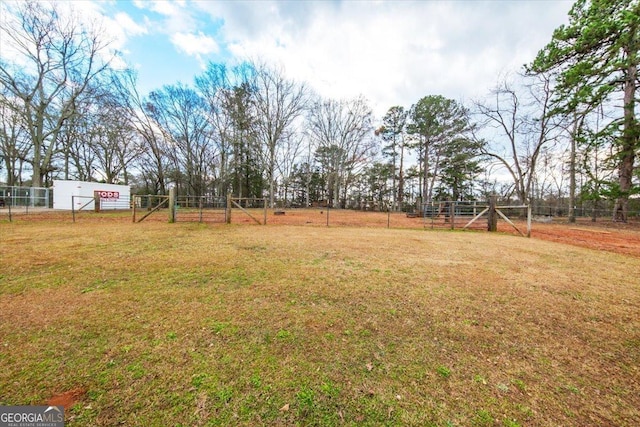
x,y
623,238
605,236
68,398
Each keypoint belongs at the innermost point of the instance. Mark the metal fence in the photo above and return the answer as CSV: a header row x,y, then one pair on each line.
x,y
34,197
23,200
35,203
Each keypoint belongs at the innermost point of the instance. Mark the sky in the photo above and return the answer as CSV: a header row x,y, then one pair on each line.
x,y
391,52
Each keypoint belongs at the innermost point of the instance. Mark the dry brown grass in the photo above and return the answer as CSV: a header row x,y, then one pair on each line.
x,y
246,325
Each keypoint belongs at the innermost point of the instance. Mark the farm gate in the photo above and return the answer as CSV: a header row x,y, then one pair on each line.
x,y
145,205
468,215
254,209
180,208
200,209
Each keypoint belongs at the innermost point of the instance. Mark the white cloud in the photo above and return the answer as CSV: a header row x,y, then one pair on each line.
x,y
174,16
392,52
128,26
195,44
162,7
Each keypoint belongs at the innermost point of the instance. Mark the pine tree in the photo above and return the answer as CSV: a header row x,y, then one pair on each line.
x,y
596,56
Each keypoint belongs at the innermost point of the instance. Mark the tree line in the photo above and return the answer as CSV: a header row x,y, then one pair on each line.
x,y
565,128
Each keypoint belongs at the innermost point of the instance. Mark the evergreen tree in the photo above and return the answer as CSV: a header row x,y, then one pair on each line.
x,y
435,123
393,131
596,57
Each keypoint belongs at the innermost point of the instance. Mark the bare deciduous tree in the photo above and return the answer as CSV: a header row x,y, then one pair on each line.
x,y
278,103
525,127
55,58
342,131
14,144
181,114
153,160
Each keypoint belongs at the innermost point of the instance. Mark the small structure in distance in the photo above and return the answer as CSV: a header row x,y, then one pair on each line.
x,y
72,195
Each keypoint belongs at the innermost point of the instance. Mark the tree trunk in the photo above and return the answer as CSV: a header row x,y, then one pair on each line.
x,y
629,144
336,192
572,175
401,179
425,171
272,166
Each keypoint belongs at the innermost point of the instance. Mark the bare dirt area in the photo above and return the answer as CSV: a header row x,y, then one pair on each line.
x,y
67,399
604,235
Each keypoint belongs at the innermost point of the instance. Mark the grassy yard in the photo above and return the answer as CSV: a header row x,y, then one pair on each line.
x,y
154,324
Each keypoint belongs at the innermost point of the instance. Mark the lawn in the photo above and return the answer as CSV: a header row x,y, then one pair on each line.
x,y
157,324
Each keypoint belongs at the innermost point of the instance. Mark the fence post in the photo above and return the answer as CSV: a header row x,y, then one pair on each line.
x,y
8,202
264,201
172,205
96,202
493,217
529,221
133,207
452,213
227,212
327,212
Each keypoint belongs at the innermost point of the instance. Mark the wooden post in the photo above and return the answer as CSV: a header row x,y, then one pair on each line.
x,y
452,213
133,219
96,202
227,212
493,216
264,202
327,212
529,221
432,208
172,205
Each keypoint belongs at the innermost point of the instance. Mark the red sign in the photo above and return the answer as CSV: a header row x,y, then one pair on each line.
x,y
111,195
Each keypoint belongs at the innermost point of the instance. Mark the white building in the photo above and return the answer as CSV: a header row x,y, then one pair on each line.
x,y
80,194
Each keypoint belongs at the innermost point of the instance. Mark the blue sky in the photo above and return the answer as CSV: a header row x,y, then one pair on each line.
x,y
155,50
392,52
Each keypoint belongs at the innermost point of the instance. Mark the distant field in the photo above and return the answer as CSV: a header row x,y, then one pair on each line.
x,y
192,324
